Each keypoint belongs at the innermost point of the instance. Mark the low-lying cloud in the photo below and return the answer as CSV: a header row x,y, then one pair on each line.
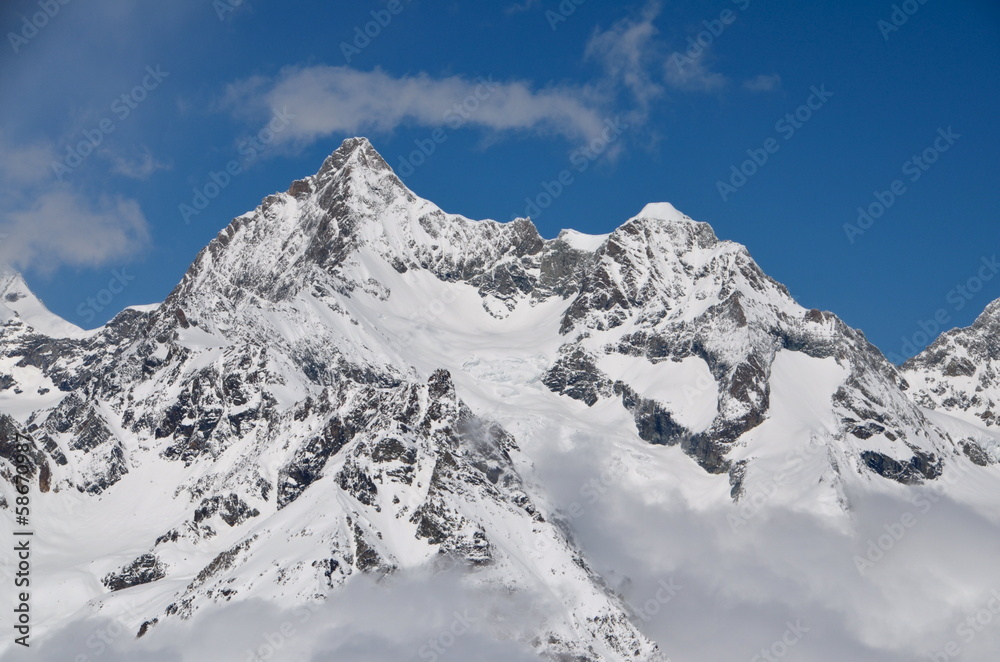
x,y
740,592
401,619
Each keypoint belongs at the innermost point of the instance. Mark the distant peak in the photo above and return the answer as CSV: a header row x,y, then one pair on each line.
x,y
663,218
16,297
663,211
357,151
353,144
11,281
990,315
581,241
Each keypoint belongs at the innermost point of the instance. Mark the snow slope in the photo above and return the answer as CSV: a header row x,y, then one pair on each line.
x,y
16,300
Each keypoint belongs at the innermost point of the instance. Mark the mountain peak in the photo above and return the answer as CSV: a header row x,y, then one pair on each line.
x,y
663,211
992,311
353,151
662,219
17,300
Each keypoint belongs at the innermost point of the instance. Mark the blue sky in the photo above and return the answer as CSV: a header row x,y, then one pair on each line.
x,y
166,94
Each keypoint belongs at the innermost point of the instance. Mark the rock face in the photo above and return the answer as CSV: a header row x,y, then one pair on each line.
x,y
960,374
297,412
145,569
960,371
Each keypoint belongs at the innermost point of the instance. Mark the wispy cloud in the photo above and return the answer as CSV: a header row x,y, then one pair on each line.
x,y
46,224
636,68
329,100
65,227
763,83
64,81
140,166
685,72
628,52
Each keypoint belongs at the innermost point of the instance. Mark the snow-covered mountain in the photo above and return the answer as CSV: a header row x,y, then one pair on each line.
x,y
19,302
959,374
351,384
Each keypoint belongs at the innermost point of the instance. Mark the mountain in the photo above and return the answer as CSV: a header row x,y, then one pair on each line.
x,y
960,374
350,384
17,301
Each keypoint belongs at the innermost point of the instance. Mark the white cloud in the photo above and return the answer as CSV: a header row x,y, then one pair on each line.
x,y
763,83
23,165
626,51
739,587
64,227
685,72
326,100
45,224
402,617
140,167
